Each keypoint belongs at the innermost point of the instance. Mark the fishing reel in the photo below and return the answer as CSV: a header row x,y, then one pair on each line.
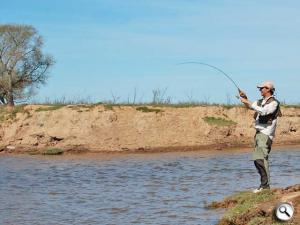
x,y
241,94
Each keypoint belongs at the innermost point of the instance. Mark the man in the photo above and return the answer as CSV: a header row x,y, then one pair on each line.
x,y
266,110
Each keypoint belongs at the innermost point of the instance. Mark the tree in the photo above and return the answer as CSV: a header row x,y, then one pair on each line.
x,y
23,65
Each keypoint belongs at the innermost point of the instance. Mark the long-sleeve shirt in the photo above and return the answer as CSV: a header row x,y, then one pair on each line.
x,y
265,109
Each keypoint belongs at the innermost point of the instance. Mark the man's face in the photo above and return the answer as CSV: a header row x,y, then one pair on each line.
x,y
264,91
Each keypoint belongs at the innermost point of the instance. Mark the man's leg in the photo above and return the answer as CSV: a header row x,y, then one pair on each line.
x,y
262,169
261,156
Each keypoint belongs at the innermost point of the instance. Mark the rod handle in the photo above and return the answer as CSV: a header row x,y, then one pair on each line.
x,y
242,94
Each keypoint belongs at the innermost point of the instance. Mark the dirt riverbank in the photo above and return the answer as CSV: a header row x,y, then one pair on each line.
x,y
105,128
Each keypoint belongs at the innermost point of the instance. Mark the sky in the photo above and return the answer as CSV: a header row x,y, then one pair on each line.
x,y
118,49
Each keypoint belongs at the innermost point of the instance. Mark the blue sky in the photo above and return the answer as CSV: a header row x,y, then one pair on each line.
x,y
111,47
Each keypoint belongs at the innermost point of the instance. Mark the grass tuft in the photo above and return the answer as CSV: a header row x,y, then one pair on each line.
x,y
49,108
108,106
146,109
218,121
53,151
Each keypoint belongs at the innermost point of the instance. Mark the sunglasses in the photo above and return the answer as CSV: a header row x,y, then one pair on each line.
x,y
263,88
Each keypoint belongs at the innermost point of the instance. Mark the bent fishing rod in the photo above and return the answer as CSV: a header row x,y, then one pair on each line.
x,y
218,69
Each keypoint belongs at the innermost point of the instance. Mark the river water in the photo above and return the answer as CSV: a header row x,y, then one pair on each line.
x,y
158,188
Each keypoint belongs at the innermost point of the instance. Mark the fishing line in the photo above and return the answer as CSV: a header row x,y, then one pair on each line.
x,y
216,68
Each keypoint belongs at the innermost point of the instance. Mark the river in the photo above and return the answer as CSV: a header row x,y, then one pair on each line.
x,y
156,188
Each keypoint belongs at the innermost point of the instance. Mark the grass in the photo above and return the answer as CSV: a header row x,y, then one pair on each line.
x,y
218,121
256,220
48,151
297,106
282,223
53,151
109,106
159,99
261,221
247,200
49,108
184,104
146,109
238,204
63,100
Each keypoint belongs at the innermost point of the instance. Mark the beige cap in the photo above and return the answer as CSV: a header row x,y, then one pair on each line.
x,y
268,84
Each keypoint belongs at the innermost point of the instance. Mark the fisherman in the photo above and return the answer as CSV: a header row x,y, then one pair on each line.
x,y
266,110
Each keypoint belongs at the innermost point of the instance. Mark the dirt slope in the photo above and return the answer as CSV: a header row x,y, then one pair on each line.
x,y
129,128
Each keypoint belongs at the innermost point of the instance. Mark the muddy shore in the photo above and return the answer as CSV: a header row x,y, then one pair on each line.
x,y
102,128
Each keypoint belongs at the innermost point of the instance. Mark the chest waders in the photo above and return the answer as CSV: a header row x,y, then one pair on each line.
x,y
263,144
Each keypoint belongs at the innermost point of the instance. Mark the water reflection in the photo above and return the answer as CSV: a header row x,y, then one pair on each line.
x,y
166,188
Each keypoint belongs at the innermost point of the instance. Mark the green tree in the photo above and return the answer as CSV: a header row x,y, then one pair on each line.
x,y
23,65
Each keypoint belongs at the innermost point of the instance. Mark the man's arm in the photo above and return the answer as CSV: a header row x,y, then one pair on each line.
x,y
267,109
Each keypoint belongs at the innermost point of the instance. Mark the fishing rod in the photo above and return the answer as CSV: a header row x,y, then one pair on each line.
x,y
218,69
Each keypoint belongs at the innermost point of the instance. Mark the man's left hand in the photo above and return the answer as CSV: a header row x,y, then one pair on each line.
x,y
246,102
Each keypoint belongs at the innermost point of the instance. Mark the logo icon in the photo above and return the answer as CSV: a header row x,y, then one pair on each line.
x,y
284,211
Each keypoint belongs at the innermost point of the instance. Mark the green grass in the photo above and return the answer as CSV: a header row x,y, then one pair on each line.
x,y
48,151
256,220
281,223
109,106
82,107
245,201
49,108
160,98
218,121
146,109
230,106
163,103
186,104
53,151
262,220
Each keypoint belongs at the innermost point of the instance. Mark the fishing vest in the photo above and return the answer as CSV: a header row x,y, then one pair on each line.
x,y
268,119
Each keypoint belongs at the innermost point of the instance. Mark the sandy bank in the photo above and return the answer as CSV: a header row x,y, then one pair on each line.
x,y
102,128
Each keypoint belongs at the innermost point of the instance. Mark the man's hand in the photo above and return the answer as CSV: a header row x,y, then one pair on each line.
x,y
246,102
243,94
